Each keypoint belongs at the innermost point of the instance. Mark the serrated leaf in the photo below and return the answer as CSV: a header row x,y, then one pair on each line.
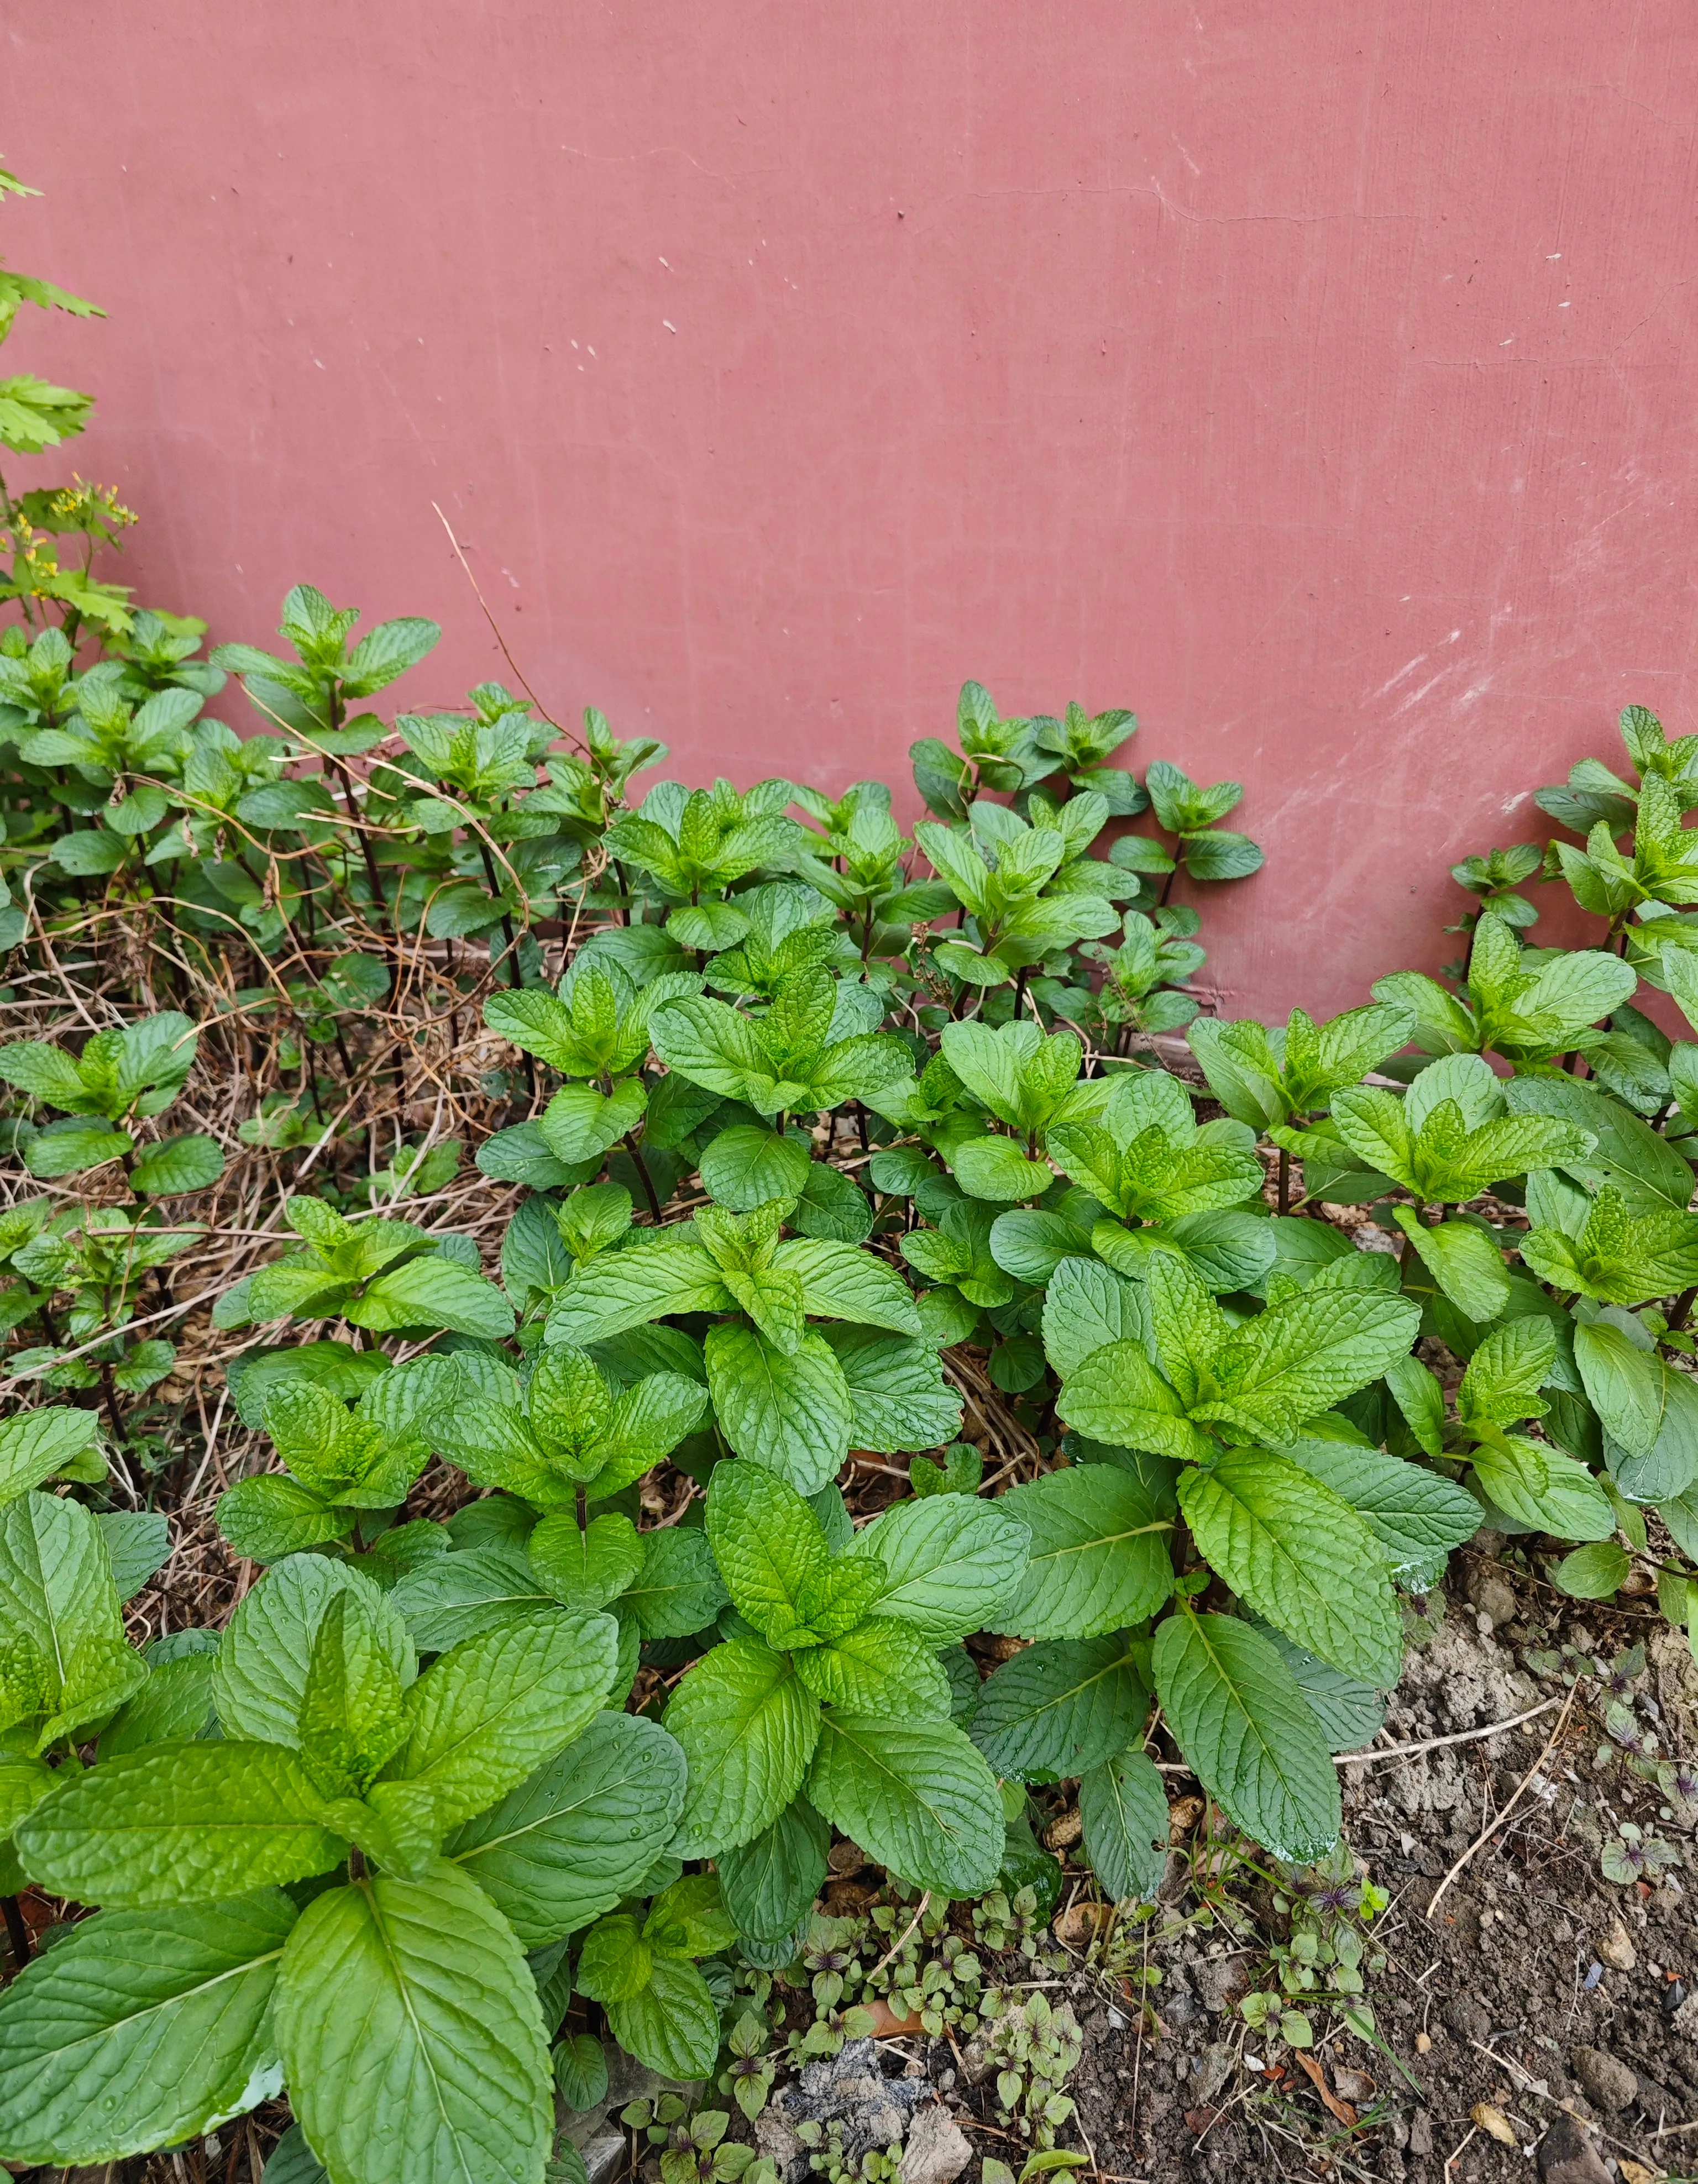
x,y
432,1292
748,1165
180,1824
917,1797
585,1569
1061,1708
1248,1732
791,1413
1416,1515
770,1884
1099,1554
463,1594
678,1590
494,1709
1086,1306
567,1844
1123,1807
898,1397
36,1444
411,2035
264,1654
748,1728
1463,1260
1299,1556
1539,1487
140,2028
670,2023
950,1563
1116,1396
768,1545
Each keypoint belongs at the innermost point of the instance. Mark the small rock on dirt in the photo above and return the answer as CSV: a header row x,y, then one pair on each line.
x,y
1492,1593
1213,2068
1617,1950
937,2151
1605,2080
1218,1978
1566,2155
1466,2018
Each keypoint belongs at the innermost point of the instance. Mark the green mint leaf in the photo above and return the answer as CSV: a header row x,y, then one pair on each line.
x,y
586,1569
394,2076
898,1397
266,1653
1123,1807
790,1413
1299,1556
142,2029
769,1545
180,1824
1099,1555
950,1563
670,2023
1085,1307
877,1667
1416,1515
917,1797
1463,1260
769,1884
493,1710
1061,1708
1248,1732
678,1590
36,1444
748,1727
579,1834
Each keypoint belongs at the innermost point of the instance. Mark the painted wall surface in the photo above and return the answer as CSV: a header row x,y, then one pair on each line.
x,y
1317,380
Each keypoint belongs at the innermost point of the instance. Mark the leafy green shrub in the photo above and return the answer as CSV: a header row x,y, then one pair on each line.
x,y
812,1144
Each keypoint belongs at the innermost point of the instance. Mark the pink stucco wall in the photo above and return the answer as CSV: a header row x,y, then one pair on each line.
x,y
1317,380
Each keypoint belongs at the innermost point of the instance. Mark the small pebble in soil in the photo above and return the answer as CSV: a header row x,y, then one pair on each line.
x,y
1617,1950
1606,2080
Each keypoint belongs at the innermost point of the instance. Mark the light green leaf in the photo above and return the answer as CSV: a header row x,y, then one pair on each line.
x,y
1246,1729
1416,1516
678,1591
580,1834
670,2024
432,1292
1116,1396
950,1562
410,2034
645,1281
1593,1572
180,1824
748,1728
769,1545
997,1169
1299,1556
917,1797
586,1569
1085,1307
839,1281
1302,1356
790,1413
1464,1262
178,1166
748,1165
494,1709
140,2028
579,1123
1625,1384
1539,1487
1099,1554
1124,1808
877,1667
265,1651
36,1444
770,1884
56,1587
